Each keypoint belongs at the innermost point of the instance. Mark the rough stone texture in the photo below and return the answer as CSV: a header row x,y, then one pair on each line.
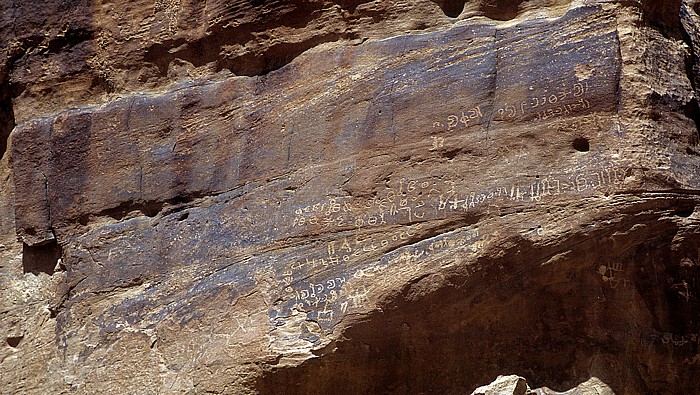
x,y
505,385
592,386
304,196
516,385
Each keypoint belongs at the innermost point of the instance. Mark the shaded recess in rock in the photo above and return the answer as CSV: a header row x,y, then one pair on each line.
x,y
581,144
692,111
451,8
663,105
214,48
686,211
663,16
70,38
501,10
41,258
144,208
690,32
13,341
587,315
7,116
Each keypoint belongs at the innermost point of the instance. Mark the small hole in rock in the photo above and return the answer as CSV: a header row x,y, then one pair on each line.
x,y
13,341
685,211
451,154
183,216
41,258
451,8
581,144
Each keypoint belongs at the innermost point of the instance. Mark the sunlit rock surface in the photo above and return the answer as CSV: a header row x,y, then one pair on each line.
x,y
349,196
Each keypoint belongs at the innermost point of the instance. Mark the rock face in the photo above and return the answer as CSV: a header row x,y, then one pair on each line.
x,y
510,385
516,385
349,196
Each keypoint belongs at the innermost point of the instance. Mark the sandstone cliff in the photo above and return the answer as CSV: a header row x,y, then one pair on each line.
x,y
348,196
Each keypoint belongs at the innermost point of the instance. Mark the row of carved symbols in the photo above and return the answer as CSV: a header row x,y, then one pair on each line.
x,y
611,275
412,200
550,102
463,118
675,339
533,191
314,294
541,103
566,109
406,201
344,251
323,299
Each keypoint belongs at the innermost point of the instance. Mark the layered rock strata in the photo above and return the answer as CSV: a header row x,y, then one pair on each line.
x,y
349,197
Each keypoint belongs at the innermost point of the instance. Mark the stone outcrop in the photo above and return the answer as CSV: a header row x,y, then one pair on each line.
x,y
516,385
510,385
349,196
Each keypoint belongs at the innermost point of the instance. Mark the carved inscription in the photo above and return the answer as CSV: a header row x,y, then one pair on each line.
x,y
334,292
406,200
438,142
316,294
410,201
339,253
611,274
336,276
549,102
677,340
464,118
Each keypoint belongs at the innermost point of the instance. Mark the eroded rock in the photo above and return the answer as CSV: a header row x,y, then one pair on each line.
x,y
350,197
516,385
505,385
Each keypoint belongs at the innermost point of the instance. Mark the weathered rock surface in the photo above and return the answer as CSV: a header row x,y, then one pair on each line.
x,y
516,385
510,385
592,386
349,197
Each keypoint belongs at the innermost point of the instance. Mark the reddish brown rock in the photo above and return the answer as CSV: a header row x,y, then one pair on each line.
x,y
349,197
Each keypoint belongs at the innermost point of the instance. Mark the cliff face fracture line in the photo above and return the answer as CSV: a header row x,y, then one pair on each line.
x,y
307,196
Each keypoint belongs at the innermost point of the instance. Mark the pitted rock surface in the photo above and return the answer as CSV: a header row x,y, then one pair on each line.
x,y
349,197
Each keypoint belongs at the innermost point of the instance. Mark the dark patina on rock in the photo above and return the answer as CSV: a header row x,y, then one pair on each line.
x,y
424,210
